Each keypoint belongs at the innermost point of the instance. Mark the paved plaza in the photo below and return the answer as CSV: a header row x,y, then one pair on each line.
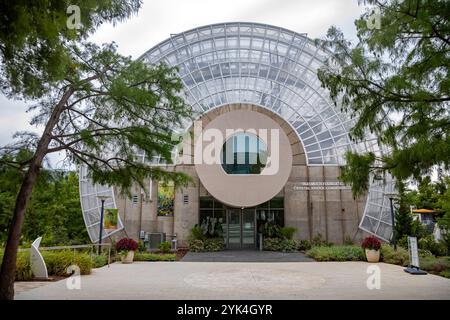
x,y
243,280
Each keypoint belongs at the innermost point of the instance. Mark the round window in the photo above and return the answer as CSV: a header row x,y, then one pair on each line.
x,y
243,153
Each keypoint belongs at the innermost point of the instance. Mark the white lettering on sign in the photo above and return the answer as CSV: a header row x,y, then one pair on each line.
x,y
327,185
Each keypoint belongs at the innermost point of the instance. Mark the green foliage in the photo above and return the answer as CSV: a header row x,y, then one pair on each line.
x,y
437,248
164,247
389,255
58,261
214,244
356,172
318,241
440,265
196,233
303,245
54,211
271,230
406,226
141,246
280,244
99,261
138,256
288,232
196,245
34,39
206,245
395,81
336,253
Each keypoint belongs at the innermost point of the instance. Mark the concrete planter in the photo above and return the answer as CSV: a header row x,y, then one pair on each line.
x,y
373,255
128,258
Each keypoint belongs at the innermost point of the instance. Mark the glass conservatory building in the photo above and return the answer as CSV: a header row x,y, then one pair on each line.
x,y
252,76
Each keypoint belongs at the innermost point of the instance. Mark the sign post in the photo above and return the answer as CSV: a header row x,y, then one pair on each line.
x,y
414,266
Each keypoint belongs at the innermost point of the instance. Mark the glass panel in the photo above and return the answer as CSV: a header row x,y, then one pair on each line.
x,y
244,153
206,202
248,228
204,214
234,228
277,203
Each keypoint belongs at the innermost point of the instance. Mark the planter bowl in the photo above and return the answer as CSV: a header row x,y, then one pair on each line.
x,y
128,258
372,255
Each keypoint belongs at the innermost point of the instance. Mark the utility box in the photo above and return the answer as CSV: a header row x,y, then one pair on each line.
x,y
155,238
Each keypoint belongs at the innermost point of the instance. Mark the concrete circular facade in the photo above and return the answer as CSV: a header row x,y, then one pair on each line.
x,y
273,68
244,190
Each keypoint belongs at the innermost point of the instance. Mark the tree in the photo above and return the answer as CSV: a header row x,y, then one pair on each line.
x,y
34,36
105,110
396,83
54,210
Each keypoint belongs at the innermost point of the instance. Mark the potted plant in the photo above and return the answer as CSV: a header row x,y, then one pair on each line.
x,y
372,246
125,248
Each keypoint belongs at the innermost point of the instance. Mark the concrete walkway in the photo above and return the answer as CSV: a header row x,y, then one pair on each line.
x,y
246,256
224,280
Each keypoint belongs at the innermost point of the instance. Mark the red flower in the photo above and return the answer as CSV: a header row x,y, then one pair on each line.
x,y
126,244
371,243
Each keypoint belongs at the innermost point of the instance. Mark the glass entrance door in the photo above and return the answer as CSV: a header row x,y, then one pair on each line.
x,y
241,228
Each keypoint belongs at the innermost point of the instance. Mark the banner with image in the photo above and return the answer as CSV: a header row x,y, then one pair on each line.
x,y
110,219
166,198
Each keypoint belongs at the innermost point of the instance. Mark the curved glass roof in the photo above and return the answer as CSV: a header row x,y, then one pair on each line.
x,y
275,68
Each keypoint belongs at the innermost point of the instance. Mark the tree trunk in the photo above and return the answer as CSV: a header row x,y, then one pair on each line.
x,y
8,269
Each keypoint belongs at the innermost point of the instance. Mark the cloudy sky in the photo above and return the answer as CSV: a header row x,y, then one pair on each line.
x,y
158,19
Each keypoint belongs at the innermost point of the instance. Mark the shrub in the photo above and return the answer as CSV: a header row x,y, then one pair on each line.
x,y
146,256
399,257
165,247
126,244
207,245
336,253
435,263
23,266
141,247
196,245
288,232
318,241
214,244
196,233
99,261
271,230
303,245
57,262
436,248
371,243
279,244
272,244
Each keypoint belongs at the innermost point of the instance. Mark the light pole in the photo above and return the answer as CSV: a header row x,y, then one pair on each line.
x,y
102,199
392,196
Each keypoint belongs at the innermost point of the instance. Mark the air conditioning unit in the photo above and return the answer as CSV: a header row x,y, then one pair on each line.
x,y
155,238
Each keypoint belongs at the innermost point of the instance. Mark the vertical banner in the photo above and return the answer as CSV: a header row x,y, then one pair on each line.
x,y
413,252
110,220
166,198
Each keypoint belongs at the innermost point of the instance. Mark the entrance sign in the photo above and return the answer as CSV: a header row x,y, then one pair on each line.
x,y
38,266
414,266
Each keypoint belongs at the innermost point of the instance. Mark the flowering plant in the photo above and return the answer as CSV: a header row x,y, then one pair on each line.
x,y
371,243
126,244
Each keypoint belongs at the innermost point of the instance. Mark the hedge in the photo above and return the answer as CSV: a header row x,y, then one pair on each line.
x,y
336,253
154,257
57,263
